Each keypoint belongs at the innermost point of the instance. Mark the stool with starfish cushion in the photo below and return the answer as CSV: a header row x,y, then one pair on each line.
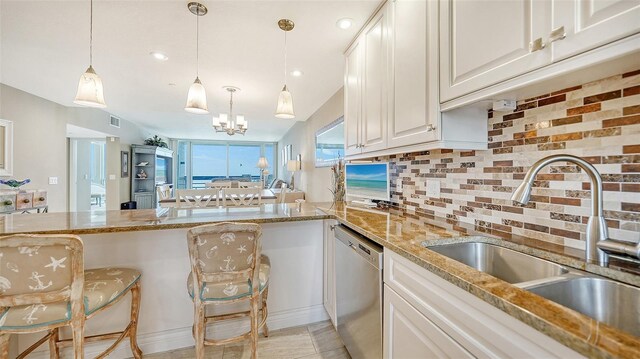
x,y
43,287
227,267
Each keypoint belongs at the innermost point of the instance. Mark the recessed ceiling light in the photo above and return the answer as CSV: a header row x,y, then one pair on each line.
x,y
159,56
344,23
297,73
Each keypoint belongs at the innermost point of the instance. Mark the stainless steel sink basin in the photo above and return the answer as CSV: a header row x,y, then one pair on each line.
x,y
500,262
613,303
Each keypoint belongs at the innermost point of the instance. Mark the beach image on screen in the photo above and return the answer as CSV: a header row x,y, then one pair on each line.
x,y
368,181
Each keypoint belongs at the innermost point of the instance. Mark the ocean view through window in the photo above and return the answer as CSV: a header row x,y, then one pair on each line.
x,y
200,162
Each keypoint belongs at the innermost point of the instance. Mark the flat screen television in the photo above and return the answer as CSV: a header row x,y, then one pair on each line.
x,y
367,181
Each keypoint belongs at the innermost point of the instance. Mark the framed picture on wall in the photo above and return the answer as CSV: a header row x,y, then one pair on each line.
x,y
124,164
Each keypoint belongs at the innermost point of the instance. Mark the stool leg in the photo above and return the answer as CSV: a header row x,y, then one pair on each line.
x,y
198,329
254,325
54,352
265,312
4,345
135,313
77,333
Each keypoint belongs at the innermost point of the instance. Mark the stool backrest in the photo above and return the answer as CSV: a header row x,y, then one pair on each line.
x,y
218,184
224,252
248,184
196,198
40,269
164,192
242,196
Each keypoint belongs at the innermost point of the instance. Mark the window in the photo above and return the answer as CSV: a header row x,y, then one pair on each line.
x,y
200,162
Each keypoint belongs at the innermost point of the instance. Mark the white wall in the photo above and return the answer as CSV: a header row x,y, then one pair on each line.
x,y
41,146
314,181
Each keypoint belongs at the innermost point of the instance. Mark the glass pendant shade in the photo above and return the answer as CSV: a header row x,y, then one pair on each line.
x,y
197,99
285,105
90,92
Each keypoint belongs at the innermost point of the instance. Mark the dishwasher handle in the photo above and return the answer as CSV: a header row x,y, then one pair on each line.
x,y
370,251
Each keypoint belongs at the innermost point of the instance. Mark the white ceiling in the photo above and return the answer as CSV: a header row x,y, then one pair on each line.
x,y
44,50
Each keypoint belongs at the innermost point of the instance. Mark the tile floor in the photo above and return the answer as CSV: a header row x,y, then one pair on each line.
x,y
314,341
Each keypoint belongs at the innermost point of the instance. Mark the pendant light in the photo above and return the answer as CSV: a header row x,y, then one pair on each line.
x,y
197,97
90,92
285,101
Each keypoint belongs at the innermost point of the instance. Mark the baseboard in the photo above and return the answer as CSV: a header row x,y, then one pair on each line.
x,y
181,338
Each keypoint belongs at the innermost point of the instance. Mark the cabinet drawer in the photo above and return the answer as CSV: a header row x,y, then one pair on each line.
x,y
40,198
479,327
7,202
409,334
24,200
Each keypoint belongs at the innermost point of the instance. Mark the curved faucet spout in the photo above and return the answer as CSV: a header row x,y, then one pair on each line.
x,y
596,226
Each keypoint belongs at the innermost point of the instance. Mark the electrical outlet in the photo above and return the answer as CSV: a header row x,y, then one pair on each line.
x,y
433,188
53,180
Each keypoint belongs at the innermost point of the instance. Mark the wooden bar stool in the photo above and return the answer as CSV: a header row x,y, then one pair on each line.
x,y
227,267
43,287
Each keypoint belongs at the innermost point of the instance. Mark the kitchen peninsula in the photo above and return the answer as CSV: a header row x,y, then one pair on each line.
x,y
295,237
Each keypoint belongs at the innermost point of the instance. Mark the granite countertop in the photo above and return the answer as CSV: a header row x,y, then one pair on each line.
x,y
408,233
153,219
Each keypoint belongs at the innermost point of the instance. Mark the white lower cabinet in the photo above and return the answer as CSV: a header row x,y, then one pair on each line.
x,y
409,334
428,317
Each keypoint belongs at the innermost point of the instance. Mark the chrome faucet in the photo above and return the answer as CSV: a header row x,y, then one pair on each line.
x,y
597,237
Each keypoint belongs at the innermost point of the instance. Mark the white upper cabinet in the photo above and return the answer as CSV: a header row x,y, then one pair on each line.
x,y
486,42
352,94
391,87
591,23
493,47
374,121
413,94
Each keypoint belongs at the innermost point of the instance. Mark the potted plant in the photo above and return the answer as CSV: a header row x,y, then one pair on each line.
x,y
155,141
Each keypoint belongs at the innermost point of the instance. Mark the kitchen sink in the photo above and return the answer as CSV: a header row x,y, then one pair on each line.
x,y
613,303
500,262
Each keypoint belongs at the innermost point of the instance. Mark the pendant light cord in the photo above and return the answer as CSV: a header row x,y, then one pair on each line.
x,y
231,107
91,35
197,43
285,57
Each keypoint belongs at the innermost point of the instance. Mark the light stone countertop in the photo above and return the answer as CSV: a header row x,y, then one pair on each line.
x,y
153,219
406,233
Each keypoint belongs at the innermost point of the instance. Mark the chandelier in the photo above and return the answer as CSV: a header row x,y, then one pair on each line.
x,y
226,122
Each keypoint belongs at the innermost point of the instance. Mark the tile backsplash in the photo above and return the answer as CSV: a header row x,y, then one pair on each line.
x,y
598,121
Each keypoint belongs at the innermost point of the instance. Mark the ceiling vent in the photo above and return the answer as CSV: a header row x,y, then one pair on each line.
x,y
114,121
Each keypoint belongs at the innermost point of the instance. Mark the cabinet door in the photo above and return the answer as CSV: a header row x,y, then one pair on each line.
x,y
143,200
486,42
409,334
352,98
591,23
375,80
413,100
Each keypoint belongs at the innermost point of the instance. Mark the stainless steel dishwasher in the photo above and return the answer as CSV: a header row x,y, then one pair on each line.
x,y
359,293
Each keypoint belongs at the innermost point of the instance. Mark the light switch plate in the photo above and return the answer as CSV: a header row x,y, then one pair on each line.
x,y
399,185
433,188
112,177
53,180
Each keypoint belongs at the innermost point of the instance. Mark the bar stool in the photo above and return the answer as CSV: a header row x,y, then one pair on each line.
x,y
227,267
43,287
